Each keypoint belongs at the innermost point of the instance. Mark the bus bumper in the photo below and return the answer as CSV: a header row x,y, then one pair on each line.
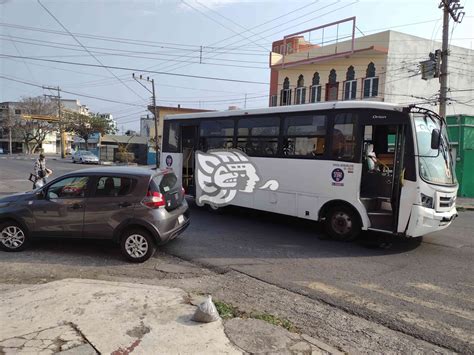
x,y
426,220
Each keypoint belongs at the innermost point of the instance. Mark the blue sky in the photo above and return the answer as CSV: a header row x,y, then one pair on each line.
x,y
155,34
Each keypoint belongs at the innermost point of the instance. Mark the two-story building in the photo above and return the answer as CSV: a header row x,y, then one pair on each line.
x,y
383,66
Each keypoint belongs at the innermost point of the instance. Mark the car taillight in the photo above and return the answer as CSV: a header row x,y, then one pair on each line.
x,y
153,200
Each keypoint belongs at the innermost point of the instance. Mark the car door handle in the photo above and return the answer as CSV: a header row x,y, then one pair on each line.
x,y
76,206
124,204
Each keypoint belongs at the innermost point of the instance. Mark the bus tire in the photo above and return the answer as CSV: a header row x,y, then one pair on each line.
x,y
342,223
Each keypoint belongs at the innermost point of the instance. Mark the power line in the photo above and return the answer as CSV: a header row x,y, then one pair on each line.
x,y
137,69
293,25
137,42
260,25
85,48
214,20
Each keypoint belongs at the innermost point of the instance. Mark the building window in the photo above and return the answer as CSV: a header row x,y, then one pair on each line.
x,y
285,93
289,48
371,82
350,85
17,112
315,88
300,91
332,87
273,100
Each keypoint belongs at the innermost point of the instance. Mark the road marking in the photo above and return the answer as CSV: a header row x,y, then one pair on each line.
x,y
411,318
416,300
442,291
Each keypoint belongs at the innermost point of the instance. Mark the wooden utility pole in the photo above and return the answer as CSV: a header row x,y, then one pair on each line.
x,y
155,112
62,134
450,8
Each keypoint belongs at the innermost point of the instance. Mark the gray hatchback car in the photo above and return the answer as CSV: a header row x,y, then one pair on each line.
x,y
137,207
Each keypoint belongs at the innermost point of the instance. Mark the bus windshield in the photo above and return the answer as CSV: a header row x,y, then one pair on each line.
x,y
436,165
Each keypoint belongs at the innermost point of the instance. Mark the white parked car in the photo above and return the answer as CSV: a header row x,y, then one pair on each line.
x,y
84,156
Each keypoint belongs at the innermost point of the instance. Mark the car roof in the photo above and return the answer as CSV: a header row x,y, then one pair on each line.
x,y
120,170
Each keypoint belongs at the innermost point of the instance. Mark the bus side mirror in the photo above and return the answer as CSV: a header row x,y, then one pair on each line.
x,y
435,139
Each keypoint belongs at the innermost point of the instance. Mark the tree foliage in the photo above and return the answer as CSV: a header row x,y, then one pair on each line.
x,y
34,132
86,125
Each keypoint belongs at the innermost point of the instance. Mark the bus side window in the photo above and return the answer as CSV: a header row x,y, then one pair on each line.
x,y
216,134
304,135
258,136
343,137
171,137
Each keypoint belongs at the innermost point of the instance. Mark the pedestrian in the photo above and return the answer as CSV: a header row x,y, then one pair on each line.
x,y
40,171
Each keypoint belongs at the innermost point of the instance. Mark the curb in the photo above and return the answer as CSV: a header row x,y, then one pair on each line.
x,y
465,208
321,345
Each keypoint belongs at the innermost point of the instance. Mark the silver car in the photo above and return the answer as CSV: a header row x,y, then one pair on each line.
x,y
138,208
84,157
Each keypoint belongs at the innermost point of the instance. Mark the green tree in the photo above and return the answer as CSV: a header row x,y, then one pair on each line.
x,y
86,125
33,132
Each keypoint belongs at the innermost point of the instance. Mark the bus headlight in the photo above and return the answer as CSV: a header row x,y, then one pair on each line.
x,y
426,201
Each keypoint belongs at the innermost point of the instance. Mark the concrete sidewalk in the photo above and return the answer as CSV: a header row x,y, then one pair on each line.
x,y
465,203
76,316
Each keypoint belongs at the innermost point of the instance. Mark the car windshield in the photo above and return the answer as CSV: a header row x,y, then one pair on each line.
x,y
436,165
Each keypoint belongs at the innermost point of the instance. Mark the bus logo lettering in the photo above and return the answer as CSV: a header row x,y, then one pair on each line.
x,y
223,173
337,175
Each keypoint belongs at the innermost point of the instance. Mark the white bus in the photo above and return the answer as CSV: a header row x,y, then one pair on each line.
x,y
358,165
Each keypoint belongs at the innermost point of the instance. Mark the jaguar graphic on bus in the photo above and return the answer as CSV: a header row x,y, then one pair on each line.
x,y
353,165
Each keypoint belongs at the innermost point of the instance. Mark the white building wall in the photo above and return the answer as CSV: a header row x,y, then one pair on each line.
x,y
404,84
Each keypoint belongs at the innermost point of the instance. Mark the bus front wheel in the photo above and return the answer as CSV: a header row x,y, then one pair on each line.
x,y
342,223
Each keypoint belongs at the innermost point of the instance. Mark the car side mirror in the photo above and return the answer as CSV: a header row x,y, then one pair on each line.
x,y
435,139
40,195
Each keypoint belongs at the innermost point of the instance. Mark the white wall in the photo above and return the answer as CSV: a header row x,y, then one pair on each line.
x,y
405,53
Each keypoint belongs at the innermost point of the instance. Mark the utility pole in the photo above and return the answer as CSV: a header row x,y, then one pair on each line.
x,y
450,8
62,134
155,112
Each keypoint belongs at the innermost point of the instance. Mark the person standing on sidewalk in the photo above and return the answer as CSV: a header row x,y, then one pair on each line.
x,y
40,171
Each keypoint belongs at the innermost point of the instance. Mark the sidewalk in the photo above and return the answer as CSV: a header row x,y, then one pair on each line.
x,y
75,316
465,203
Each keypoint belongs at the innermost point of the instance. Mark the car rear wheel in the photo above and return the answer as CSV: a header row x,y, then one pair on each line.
x,y
13,237
137,245
342,223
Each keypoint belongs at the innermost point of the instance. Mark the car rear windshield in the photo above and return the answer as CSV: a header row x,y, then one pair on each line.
x,y
166,182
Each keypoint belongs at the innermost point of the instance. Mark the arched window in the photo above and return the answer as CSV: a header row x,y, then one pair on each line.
x,y
315,88
350,85
285,93
301,81
371,82
316,78
350,73
332,76
300,91
332,87
370,72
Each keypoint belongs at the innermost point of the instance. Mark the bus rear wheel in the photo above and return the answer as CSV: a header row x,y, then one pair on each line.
x,y
342,223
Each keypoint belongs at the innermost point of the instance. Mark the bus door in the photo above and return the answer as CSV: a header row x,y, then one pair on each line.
x,y
189,144
383,152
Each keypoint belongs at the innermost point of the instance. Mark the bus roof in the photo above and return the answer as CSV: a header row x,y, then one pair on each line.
x,y
292,108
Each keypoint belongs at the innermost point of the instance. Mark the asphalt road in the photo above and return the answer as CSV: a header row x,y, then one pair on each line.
x,y
422,288
425,289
